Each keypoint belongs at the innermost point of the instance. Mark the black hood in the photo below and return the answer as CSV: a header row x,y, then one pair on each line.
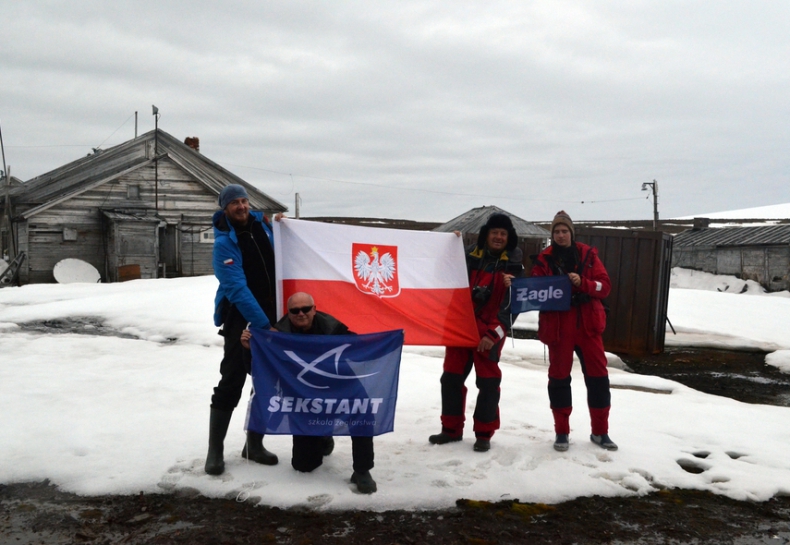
x,y
498,221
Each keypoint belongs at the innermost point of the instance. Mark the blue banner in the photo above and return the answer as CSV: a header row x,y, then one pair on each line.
x,y
324,384
540,293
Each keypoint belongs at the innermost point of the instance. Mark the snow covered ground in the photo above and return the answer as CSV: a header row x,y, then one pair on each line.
x,y
98,414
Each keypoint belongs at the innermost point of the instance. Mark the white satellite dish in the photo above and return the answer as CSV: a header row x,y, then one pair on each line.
x,y
71,271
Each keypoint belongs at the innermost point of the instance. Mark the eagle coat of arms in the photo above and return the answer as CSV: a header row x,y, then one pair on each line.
x,y
376,269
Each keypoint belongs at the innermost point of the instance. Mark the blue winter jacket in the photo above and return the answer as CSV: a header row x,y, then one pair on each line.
x,y
229,272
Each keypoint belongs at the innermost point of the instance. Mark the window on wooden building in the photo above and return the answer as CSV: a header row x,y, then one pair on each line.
x,y
133,192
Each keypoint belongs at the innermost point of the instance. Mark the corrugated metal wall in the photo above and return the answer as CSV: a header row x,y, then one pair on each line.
x,y
639,266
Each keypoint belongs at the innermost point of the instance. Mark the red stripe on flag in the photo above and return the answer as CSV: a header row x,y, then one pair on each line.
x,y
438,317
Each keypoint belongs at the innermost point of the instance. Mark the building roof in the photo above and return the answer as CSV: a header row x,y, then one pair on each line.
x,y
96,169
14,182
473,220
735,236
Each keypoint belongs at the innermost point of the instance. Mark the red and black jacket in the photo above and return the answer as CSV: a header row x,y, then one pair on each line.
x,y
594,287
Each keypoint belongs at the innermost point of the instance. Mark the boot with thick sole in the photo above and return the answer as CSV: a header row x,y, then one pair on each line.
x,y
443,438
603,441
364,481
255,451
217,429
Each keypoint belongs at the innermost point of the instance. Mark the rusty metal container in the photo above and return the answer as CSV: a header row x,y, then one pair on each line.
x,y
639,266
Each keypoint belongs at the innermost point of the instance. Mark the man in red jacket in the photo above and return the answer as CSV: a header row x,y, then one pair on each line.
x,y
576,330
492,263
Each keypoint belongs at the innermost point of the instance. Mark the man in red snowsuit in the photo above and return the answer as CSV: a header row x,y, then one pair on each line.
x,y
576,330
492,263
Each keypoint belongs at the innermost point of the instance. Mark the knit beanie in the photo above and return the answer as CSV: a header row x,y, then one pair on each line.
x,y
563,218
230,193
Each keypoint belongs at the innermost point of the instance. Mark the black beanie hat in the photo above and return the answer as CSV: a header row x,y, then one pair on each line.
x,y
498,221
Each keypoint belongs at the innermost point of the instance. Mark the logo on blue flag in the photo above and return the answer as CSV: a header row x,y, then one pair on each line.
x,y
540,293
324,384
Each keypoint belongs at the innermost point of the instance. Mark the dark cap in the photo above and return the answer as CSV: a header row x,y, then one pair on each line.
x,y
231,193
498,221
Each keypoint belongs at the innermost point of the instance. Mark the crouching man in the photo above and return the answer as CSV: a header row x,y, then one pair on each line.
x,y
309,451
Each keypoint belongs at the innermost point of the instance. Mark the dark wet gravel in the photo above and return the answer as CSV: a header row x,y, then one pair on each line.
x,y
40,514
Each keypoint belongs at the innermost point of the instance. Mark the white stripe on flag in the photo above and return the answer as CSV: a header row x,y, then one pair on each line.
x,y
423,256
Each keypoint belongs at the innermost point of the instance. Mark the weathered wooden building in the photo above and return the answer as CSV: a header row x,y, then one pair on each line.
x,y
531,238
759,253
145,204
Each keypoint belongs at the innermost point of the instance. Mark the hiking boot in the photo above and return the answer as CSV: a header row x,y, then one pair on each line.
x,y
443,439
363,480
328,447
561,442
255,451
603,441
217,428
482,445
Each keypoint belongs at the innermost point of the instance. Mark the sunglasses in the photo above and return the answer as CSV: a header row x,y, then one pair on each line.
x,y
303,310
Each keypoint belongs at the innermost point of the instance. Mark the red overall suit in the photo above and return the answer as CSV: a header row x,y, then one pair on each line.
x,y
577,330
492,303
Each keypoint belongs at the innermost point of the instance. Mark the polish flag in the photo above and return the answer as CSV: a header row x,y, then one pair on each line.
x,y
375,279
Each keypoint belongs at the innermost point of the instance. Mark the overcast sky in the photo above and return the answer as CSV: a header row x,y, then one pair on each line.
x,y
421,110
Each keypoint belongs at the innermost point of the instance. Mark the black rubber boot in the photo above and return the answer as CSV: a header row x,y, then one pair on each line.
x,y
255,451
364,481
329,446
443,438
217,428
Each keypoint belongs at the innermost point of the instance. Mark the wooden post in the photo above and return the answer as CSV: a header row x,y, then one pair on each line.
x,y
9,229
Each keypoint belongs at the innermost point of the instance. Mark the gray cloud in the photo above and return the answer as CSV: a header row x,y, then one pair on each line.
x,y
417,110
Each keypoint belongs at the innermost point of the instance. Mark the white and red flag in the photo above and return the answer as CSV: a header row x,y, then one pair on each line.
x,y
375,279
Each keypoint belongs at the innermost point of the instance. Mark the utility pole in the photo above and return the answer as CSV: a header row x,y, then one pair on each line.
x,y
654,186
297,202
9,228
155,112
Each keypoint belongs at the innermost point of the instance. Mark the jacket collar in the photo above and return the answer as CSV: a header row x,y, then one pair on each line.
x,y
223,227
479,253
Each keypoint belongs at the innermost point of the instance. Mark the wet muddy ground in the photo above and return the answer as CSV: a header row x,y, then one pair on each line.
x,y
37,513
743,376
40,514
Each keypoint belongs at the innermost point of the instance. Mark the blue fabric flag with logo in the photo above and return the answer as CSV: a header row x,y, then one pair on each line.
x,y
540,293
324,384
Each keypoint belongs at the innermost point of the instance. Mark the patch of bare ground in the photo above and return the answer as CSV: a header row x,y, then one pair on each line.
x,y
743,376
39,513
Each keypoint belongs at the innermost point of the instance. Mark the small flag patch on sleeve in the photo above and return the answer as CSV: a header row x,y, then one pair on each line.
x,y
228,261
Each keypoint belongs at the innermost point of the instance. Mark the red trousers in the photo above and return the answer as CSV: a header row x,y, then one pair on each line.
x,y
458,363
591,354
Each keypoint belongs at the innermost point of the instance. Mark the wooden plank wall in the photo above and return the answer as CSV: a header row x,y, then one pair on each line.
x,y
46,245
195,255
133,243
179,195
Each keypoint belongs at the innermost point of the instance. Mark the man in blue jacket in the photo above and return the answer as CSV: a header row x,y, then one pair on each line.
x,y
244,265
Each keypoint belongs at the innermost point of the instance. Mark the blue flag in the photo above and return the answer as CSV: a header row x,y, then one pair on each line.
x,y
324,384
540,293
